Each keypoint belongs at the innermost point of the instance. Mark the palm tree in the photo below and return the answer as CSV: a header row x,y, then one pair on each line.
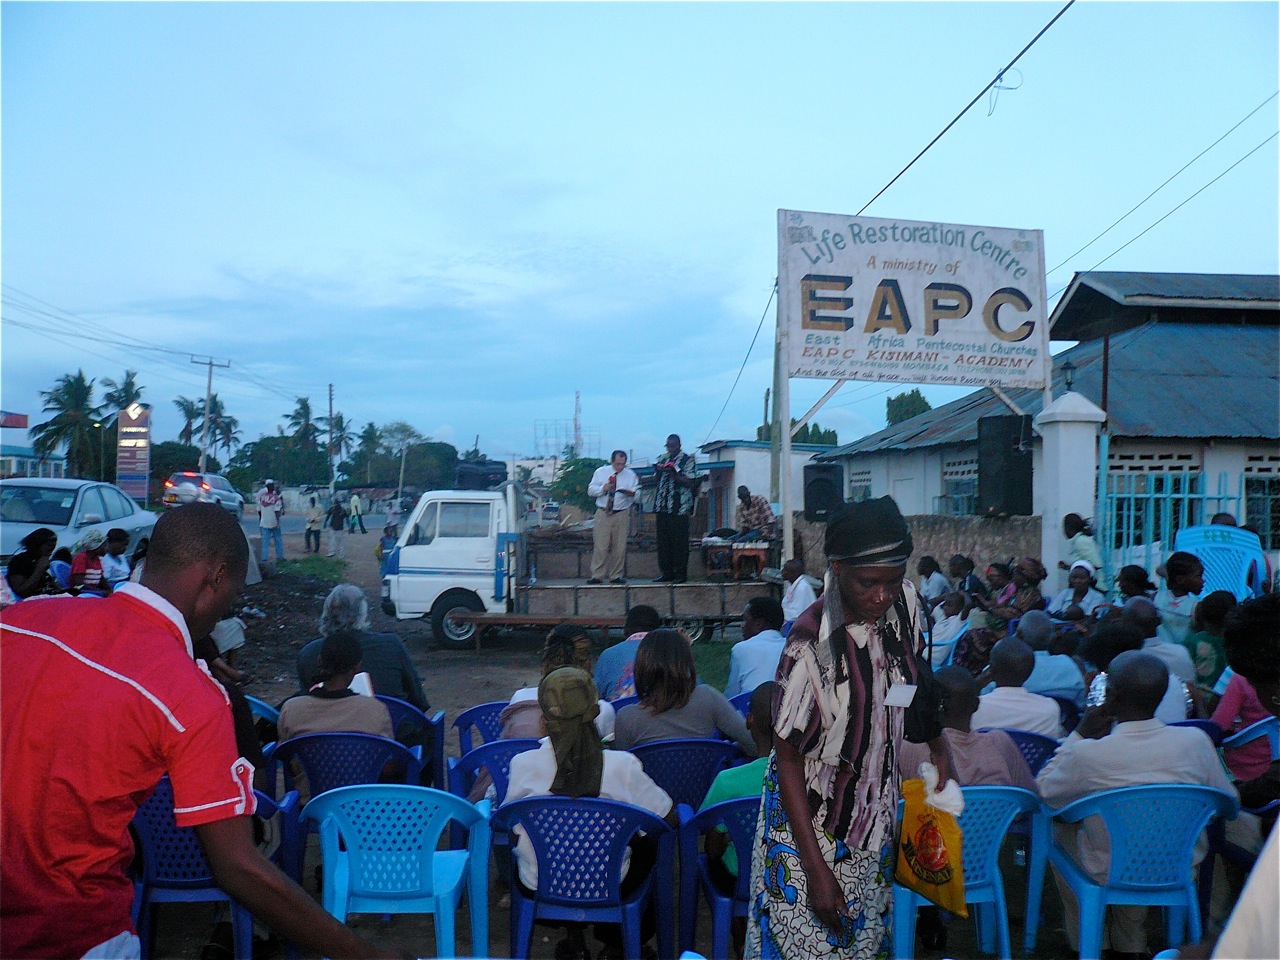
x,y
122,395
399,437
190,410
72,424
340,431
228,433
210,417
369,443
303,423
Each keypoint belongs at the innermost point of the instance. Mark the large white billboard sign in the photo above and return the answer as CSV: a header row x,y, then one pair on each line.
x,y
904,301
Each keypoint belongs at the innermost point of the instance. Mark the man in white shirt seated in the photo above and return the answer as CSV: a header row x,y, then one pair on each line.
x,y
949,618
1121,744
1054,674
1010,706
799,595
1141,613
754,659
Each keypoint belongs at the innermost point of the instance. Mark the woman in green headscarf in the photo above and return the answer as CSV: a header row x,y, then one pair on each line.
x,y
571,762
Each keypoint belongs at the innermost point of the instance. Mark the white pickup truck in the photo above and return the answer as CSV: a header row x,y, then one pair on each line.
x,y
457,553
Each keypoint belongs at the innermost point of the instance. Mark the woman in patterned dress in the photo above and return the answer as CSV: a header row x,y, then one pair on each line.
x,y
822,869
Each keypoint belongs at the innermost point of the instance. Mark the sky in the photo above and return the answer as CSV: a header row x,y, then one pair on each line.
x,y
461,214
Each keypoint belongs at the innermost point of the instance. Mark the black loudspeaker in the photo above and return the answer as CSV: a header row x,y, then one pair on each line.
x,y
1004,466
823,490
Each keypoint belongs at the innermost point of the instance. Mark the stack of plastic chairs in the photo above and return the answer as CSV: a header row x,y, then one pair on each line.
x,y
1232,558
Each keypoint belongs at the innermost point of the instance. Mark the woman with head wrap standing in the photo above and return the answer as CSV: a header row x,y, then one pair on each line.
x,y
822,871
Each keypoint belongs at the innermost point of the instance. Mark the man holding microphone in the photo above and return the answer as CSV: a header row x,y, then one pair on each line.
x,y
614,486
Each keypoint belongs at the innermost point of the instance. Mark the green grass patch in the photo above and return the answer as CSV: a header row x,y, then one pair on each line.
x,y
325,568
712,661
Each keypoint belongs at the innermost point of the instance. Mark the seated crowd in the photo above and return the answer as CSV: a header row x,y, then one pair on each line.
x,y
1107,680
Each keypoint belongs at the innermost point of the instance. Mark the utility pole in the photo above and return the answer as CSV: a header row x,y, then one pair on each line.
x,y
208,400
333,475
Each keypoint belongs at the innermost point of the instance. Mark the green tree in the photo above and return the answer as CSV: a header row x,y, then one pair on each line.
x,y
72,425
228,434
570,485
123,394
282,459
302,422
343,438
903,406
809,433
190,411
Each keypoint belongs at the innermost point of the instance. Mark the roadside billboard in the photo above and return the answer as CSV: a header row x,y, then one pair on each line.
x,y
905,301
133,450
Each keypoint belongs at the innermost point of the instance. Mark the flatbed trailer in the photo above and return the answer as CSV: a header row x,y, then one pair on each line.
x,y
695,607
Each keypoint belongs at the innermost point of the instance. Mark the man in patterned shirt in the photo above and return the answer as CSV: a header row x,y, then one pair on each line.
x,y
755,520
673,505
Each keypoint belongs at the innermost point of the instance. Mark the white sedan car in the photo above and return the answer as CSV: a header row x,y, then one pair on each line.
x,y
70,508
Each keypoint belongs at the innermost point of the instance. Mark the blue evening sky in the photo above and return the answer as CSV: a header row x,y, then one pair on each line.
x,y
459,214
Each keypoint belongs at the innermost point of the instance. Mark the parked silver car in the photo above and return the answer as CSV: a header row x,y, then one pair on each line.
x,y
187,486
70,508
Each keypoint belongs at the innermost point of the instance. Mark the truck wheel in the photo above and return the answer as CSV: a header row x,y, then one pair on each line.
x,y
449,632
696,630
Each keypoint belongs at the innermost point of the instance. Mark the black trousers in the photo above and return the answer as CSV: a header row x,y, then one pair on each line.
x,y
673,545
308,534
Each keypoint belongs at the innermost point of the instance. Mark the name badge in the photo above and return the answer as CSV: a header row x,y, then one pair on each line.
x,y
900,695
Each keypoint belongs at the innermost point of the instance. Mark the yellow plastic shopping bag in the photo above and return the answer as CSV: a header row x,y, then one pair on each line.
x,y
929,851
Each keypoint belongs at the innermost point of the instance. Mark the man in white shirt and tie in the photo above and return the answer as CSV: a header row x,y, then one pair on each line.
x,y
614,486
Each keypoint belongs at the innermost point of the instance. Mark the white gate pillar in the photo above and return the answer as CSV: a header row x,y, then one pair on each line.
x,y
1068,479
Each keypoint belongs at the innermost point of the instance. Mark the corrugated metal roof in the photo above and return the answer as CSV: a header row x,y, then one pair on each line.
x,y
1167,380
1097,302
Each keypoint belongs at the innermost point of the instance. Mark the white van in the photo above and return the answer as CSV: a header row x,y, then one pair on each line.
x,y
457,552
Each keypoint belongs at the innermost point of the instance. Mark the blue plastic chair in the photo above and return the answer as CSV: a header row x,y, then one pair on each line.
x,y
263,710
742,702
1068,713
484,718
494,757
685,768
988,813
61,571
331,760
1207,727
410,723
1229,556
579,845
1268,727
739,817
1153,831
1036,748
175,870
625,702
378,843
951,645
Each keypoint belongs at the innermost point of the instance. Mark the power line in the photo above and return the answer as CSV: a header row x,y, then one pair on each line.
x,y
998,77
1175,209
759,326
1166,183
1190,198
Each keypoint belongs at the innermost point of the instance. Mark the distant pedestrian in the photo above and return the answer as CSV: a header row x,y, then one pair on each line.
x,y
315,523
270,510
674,500
336,520
614,487
357,512
393,514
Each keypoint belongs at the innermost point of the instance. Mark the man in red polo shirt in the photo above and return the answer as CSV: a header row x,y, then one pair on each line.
x,y
98,701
